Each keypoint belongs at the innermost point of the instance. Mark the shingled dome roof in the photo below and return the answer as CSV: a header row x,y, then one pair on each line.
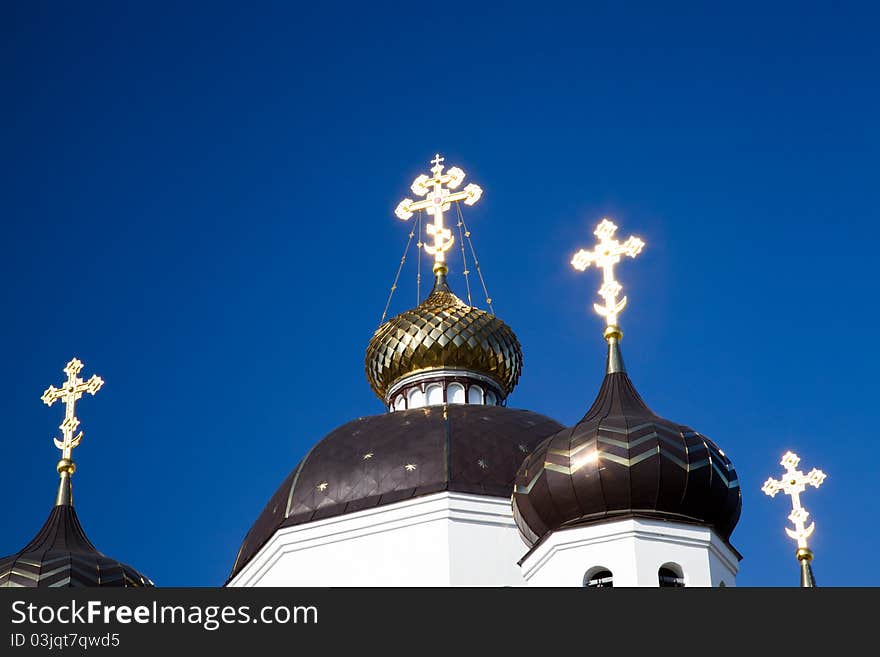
x,y
443,333
382,459
621,460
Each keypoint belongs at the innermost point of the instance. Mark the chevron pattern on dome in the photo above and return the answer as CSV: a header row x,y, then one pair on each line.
x,y
61,555
623,459
443,332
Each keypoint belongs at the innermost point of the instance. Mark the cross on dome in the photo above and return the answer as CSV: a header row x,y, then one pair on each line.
x,y
605,255
793,483
70,392
438,200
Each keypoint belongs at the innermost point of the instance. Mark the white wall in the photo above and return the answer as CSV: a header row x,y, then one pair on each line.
x,y
444,539
633,550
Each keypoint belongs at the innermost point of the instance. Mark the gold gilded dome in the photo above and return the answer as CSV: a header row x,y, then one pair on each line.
x,y
443,333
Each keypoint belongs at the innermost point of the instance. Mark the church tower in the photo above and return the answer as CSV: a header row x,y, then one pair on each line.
x,y
419,495
61,555
625,497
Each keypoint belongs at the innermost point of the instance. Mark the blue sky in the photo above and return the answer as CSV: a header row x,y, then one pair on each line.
x,y
198,203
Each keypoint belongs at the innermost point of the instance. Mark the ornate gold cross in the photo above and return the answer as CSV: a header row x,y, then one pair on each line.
x,y
69,393
607,254
438,201
793,483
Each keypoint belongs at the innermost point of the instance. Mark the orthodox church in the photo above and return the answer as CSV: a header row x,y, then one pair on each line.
x,y
450,486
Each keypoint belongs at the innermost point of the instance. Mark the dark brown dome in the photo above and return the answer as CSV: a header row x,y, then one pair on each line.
x,y
382,459
61,555
623,460
443,332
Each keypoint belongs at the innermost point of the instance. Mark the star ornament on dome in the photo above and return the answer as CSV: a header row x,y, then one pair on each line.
x,y
438,199
794,482
605,255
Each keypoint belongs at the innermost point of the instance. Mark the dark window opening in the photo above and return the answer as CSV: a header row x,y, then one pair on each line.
x,y
599,579
671,579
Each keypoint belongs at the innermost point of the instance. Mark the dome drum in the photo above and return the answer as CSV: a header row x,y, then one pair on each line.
x,y
443,386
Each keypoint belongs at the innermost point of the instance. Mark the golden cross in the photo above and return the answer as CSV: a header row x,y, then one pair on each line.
x,y
69,393
438,201
793,483
607,254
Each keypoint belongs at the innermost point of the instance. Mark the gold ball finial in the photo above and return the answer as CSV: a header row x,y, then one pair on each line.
x,y
804,554
66,465
613,332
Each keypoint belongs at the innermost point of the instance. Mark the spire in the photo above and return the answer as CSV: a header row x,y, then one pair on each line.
x,y
805,557
793,483
440,271
70,392
605,255
61,554
614,362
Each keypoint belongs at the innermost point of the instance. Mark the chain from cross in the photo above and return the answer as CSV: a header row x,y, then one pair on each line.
x,y
71,391
605,255
793,483
439,200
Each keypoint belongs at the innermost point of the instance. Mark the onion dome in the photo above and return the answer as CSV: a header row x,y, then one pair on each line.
x,y
442,339
382,459
623,460
61,555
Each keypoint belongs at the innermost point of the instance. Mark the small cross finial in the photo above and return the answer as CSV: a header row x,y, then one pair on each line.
x,y
793,483
606,255
69,393
438,200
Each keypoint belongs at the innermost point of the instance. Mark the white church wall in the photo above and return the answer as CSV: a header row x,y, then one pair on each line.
x,y
633,550
444,539
484,542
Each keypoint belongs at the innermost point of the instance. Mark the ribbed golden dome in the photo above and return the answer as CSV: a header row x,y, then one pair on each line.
x,y
443,332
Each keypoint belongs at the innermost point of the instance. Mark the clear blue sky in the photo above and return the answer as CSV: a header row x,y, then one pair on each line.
x,y
197,202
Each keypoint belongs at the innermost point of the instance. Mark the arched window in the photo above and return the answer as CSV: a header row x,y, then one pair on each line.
x,y
455,393
598,578
415,398
490,398
670,576
434,394
475,395
399,403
